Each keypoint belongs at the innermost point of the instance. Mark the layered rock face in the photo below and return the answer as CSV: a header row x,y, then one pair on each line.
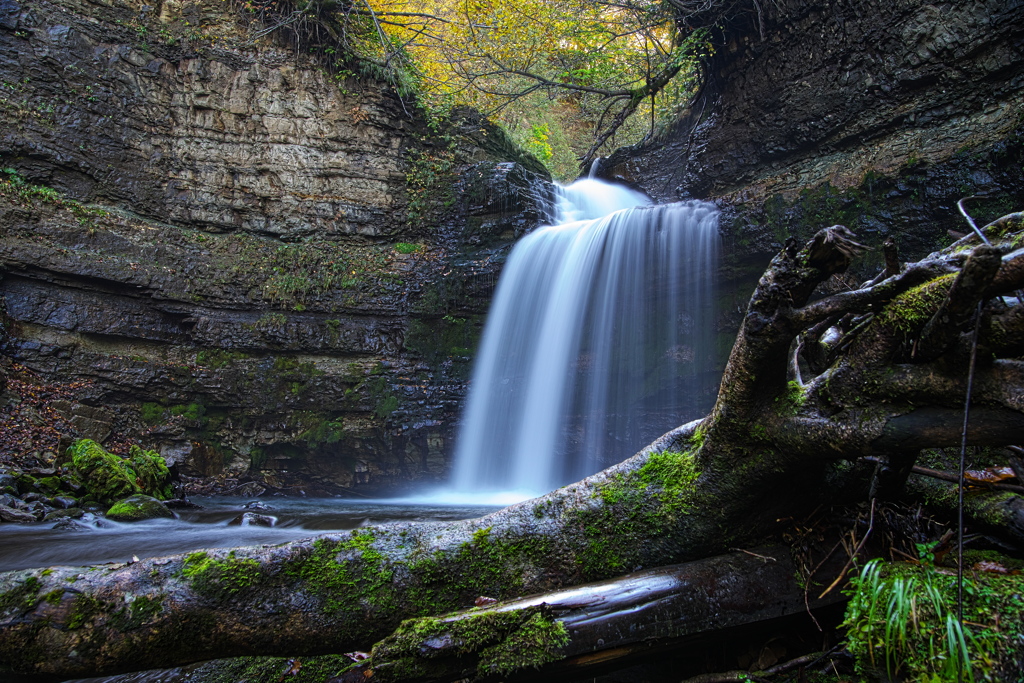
x,y
876,115
257,265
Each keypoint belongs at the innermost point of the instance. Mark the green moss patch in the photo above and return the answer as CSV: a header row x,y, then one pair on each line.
x,y
500,642
350,574
911,310
109,478
22,597
139,612
220,577
138,507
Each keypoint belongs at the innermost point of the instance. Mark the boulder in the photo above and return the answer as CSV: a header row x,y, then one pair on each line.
x,y
68,524
73,513
108,478
138,507
17,516
252,519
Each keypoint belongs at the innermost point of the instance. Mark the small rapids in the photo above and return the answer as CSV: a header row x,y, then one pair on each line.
x,y
39,545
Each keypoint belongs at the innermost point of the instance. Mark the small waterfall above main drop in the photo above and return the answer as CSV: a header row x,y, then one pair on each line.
x,y
599,339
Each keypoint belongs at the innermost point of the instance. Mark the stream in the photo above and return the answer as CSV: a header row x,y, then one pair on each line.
x,y
24,546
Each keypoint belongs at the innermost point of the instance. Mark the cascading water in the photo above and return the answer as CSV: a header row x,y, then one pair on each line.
x,y
599,339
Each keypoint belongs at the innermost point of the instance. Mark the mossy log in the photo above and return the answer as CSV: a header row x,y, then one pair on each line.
x,y
562,630
771,448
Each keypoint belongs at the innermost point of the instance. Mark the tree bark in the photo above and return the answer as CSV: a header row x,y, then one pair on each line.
x,y
770,449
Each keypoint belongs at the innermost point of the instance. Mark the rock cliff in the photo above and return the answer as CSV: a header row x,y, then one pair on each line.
x,y
264,268
876,115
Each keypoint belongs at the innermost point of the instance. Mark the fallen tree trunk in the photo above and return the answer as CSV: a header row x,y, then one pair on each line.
x,y
562,630
771,448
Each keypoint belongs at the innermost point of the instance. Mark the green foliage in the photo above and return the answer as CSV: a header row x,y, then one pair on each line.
x,y
902,620
16,189
408,248
193,412
152,413
218,358
319,429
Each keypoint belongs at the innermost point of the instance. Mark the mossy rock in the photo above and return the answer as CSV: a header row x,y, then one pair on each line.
x,y
138,507
108,478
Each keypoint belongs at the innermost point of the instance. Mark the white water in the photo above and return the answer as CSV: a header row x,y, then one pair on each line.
x,y
599,339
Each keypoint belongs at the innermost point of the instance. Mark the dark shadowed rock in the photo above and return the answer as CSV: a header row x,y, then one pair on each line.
x,y
8,514
69,524
253,519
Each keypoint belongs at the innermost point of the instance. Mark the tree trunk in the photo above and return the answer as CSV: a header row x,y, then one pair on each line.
x,y
771,448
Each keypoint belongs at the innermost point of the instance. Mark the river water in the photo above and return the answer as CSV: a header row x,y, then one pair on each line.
x,y
39,545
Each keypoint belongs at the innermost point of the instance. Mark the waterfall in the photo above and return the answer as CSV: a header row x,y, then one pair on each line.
x,y
599,339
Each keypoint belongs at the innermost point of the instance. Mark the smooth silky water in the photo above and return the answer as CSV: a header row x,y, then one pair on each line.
x,y
600,338
39,545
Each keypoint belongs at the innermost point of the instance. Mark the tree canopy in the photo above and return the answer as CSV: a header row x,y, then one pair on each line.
x,y
568,78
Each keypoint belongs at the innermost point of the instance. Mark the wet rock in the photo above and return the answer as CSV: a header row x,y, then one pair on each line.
x,y
7,480
8,514
64,502
9,13
253,519
138,507
69,524
73,513
38,509
250,488
257,505
8,500
182,504
33,497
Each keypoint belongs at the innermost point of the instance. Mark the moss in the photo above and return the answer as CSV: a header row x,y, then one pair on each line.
x,y
793,400
634,506
193,412
911,310
141,611
218,358
83,609
49,485
351,575
108,478
502,643
220,577
138,507
22,597
151,472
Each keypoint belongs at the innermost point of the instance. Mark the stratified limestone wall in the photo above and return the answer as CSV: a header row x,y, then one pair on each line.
x,y
229,257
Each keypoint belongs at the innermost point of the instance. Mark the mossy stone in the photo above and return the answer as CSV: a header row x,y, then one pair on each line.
x,y
138,507
109,478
